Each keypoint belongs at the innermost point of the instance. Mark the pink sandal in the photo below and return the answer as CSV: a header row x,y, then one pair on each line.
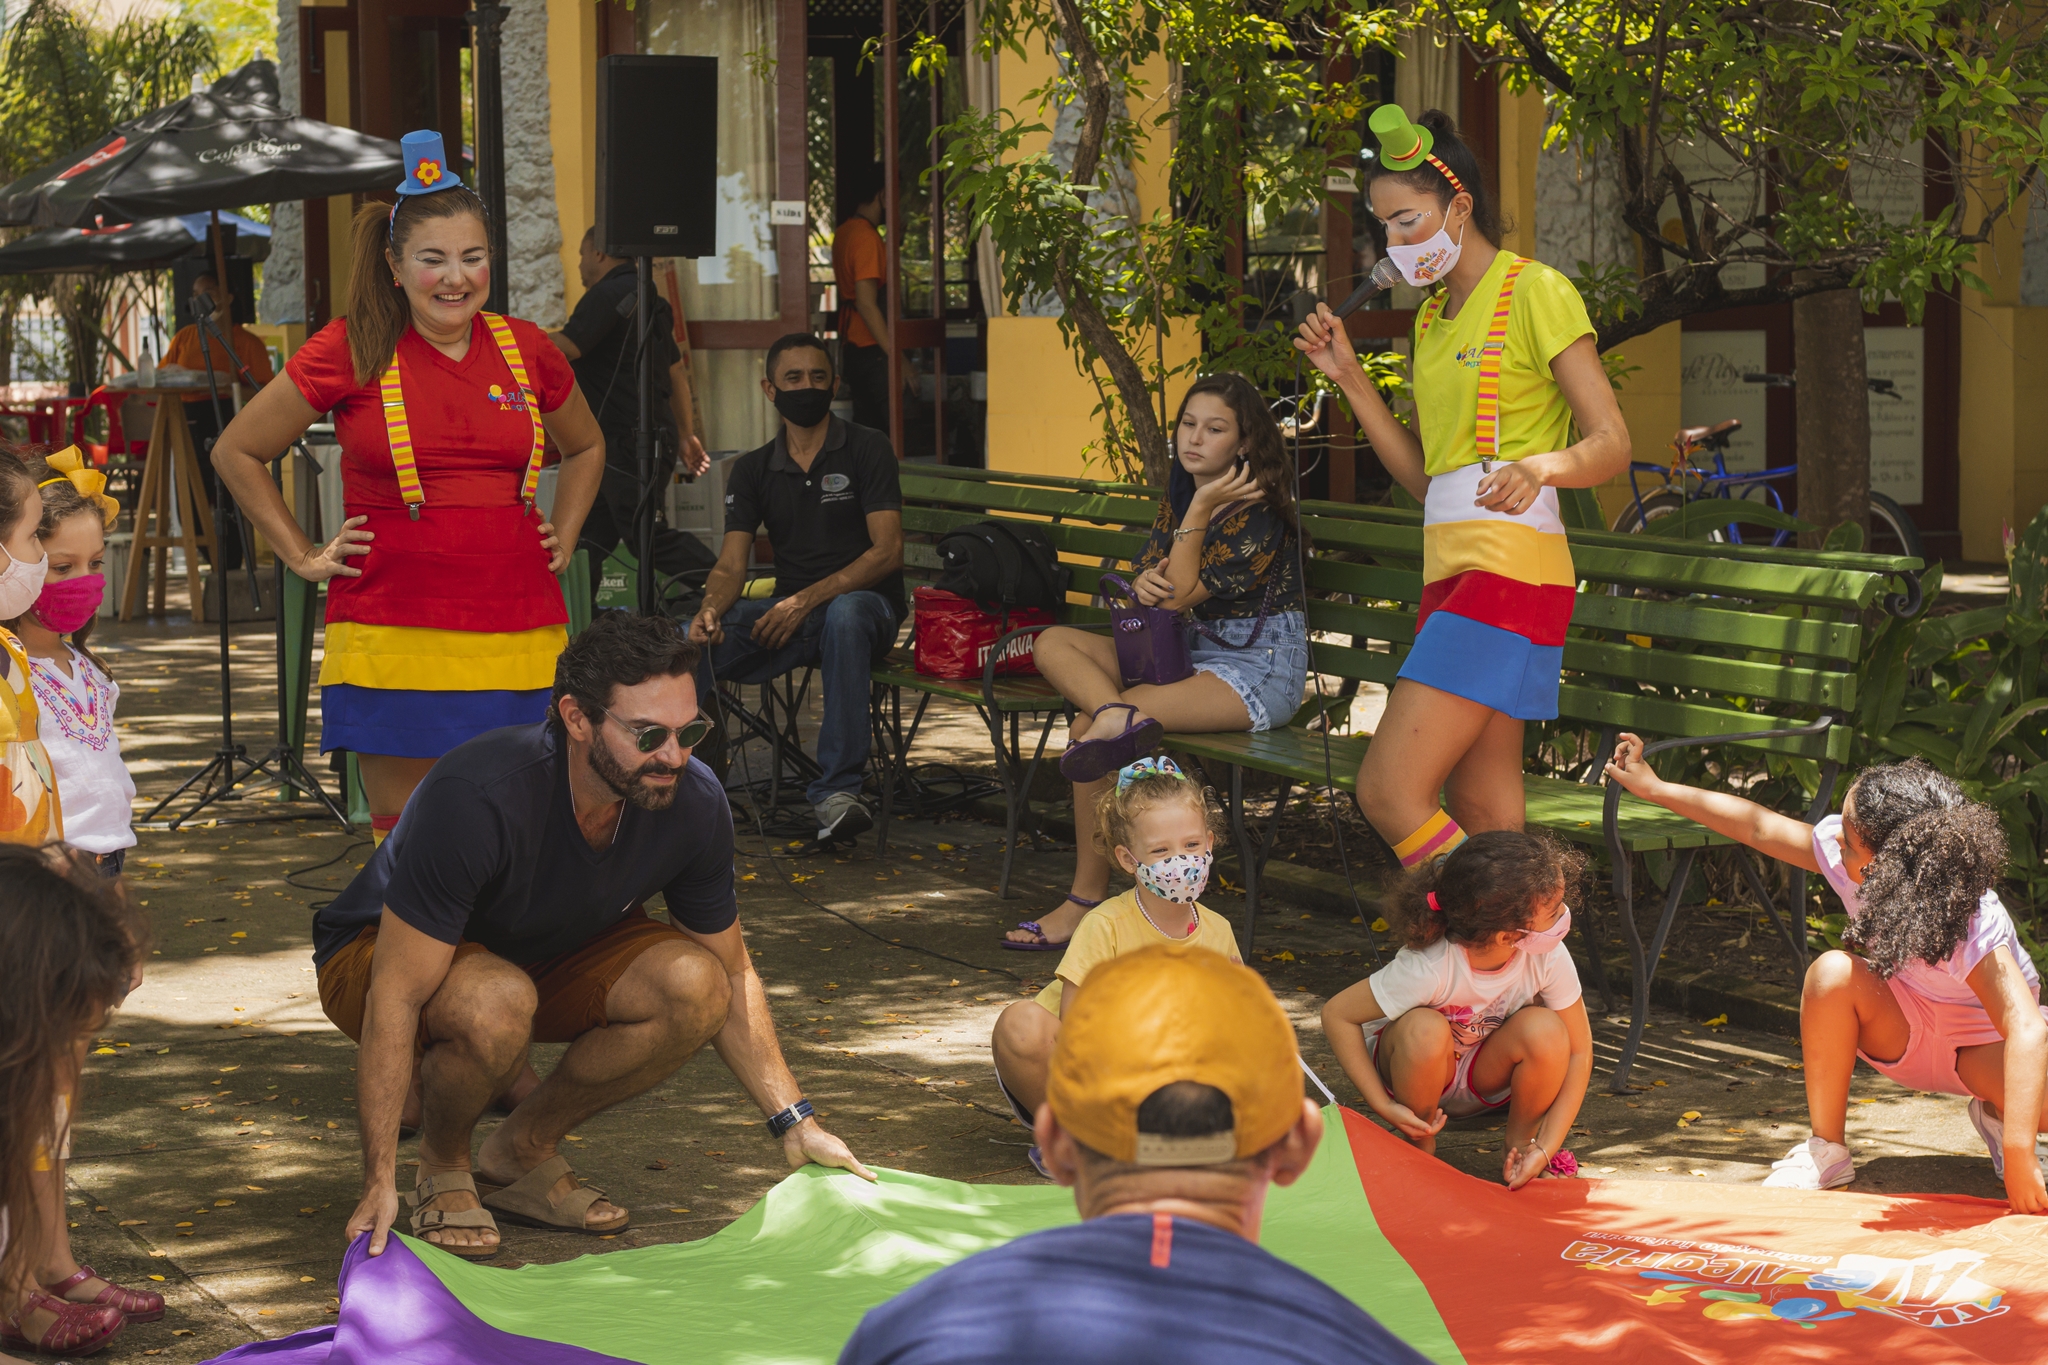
x,y
136,1305
80,1329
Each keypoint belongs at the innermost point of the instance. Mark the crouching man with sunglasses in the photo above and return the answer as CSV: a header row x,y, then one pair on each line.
x,y
508,908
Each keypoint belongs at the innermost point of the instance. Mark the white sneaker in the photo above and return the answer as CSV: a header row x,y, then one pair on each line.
x,y
1815,1164
842,816
1991,1128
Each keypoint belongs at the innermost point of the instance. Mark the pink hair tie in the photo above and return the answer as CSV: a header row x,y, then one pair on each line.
x,y
1433,905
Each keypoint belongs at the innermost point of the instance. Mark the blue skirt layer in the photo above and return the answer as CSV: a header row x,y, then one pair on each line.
x,y
408,724
1486,664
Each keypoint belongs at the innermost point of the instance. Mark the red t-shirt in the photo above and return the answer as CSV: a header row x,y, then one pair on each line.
x,y
857,255
471,436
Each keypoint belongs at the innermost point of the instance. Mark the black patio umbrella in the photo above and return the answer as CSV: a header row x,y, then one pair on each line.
x,y
216,149
150,242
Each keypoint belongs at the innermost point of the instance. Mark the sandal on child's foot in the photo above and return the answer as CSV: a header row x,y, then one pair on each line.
x,y
76,1329
136,1305
1041,942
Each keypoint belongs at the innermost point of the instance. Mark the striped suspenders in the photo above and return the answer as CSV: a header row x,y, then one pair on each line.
x,y
1487,426
400,431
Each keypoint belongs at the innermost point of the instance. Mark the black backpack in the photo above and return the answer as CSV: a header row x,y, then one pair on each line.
x,y
1000,564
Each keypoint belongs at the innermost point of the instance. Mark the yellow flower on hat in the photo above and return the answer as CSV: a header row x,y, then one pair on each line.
x,y
90,483
427,172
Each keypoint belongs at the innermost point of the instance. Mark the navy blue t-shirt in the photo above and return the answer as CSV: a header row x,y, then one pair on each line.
x,y
487,849
1098,1292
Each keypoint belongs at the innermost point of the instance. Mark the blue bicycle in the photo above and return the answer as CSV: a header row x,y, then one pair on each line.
x,y
1685,482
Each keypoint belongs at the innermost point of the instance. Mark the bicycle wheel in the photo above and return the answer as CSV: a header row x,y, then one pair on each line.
x,y
1656,505
1892,532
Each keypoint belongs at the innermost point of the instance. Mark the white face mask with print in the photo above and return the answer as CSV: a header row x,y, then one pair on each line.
x,y
1180,879
1429,261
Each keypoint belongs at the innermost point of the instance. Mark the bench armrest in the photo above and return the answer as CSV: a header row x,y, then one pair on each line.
x,y
1612,807
995,654
1906,605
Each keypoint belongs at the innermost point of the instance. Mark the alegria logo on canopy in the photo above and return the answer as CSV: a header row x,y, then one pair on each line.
x,y
244,151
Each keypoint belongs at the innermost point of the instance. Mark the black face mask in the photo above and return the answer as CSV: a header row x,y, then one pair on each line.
x,y
804,407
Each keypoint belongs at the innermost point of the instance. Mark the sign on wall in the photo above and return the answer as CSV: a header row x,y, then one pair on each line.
x,y
1711,368
1897,425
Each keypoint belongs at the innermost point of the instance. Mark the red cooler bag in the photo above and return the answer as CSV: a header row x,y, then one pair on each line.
x,y
953,636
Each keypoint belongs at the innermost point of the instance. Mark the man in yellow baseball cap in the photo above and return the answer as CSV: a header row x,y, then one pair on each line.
x,y
1174,1103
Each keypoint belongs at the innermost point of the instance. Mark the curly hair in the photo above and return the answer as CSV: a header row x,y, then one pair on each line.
x,y
1119,807
1485,886
1934,855
618,649
71,939
61,502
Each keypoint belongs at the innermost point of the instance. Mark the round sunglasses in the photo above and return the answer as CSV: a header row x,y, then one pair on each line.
x,y
649,738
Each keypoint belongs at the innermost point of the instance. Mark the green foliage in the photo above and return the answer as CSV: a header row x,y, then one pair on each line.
x,y
1249,126
1760,135
65,81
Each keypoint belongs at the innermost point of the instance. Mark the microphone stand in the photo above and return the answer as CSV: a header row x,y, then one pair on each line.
x,y
219,779
643,438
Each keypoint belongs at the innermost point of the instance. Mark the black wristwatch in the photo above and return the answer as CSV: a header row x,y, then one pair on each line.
x,y
778,1124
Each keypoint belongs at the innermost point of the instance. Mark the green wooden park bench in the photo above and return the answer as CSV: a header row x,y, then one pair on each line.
x,y
1686,643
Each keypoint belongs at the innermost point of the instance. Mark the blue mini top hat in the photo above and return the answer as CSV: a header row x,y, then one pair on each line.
x,y
426,164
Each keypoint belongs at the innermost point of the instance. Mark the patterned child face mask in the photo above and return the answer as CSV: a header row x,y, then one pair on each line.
x,y
1181,878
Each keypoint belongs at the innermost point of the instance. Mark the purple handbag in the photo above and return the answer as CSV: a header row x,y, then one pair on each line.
x,y
1152,642
1151,646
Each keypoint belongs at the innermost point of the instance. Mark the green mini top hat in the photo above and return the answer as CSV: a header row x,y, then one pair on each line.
x,y
1403,146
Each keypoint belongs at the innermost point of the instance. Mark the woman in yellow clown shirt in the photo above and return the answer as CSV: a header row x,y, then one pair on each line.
x,y
1511,404
443,614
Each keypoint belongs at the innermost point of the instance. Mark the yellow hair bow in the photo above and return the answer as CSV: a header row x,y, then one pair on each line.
x,y
90,483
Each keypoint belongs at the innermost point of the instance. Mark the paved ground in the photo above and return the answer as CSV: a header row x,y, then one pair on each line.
x,y
217,1148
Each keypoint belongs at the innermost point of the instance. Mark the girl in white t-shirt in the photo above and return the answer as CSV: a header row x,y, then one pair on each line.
x,y
1481,1009
1940,994
74,692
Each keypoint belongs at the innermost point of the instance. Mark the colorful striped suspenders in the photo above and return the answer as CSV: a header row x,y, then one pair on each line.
x,y
400,432
1487,425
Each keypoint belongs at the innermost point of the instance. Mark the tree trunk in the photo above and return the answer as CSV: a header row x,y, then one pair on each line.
x,y
1834,412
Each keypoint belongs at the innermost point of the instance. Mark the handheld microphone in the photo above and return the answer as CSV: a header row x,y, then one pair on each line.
x,y
1385,275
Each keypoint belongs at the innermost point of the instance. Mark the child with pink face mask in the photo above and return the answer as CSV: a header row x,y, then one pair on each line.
x,y
74,694
1481,1009
1158,824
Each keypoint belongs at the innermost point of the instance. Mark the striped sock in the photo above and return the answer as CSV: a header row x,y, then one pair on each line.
x,y
381,827
1439,835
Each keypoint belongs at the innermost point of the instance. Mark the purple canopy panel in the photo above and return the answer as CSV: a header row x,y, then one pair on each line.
x,y
395,1311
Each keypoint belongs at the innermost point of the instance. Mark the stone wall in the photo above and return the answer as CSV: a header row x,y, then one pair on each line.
x,y
283,296
1578,199
533,228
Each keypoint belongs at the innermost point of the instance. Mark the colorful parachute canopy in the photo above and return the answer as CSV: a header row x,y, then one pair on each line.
x,y
1460,1268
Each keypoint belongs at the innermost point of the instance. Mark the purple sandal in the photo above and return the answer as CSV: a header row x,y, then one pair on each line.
x,y
1093,759
1044,944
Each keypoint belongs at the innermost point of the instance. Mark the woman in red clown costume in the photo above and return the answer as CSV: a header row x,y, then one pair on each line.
x,y
1511,404
443,614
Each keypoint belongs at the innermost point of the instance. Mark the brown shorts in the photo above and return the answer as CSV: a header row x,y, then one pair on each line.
x,y
573,987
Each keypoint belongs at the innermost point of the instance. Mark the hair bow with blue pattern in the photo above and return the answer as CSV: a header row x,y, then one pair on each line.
x,y
1159,764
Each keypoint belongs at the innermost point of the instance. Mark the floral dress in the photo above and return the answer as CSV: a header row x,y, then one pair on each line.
x,y
29,809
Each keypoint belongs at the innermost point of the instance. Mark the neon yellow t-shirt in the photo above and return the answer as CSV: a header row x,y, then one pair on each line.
x,y
1546,316
1118,926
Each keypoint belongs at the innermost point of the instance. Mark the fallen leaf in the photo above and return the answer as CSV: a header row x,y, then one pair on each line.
x,y
103,1052
158,1278
236,1067
254,1189
134,1223
239,933
305,1279
223,1203
161,1051
266,1312
678,1210
332,1124
184,1225
181,1331
1717,1021
1660,1082
1691,1114
658,1165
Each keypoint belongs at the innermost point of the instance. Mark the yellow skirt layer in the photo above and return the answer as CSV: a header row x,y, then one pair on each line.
x,y
1500,547
418,659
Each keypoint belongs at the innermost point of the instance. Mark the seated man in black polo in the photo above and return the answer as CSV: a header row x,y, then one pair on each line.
x,y
507,908
827,492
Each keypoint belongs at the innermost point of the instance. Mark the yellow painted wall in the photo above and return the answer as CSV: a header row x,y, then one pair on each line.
x,y
1040,406
1649,404
1521,140
2002,450
572,131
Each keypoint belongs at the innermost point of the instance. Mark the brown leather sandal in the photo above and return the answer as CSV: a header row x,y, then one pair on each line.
x,y
425,1220
525,1201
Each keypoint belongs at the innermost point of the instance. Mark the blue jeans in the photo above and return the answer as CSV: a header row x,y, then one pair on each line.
x,y
842,640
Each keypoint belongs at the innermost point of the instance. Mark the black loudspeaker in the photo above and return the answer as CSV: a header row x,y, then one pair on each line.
x,y
657,156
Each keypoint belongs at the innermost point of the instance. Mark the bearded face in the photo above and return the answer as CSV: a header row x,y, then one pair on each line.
x,y
641,783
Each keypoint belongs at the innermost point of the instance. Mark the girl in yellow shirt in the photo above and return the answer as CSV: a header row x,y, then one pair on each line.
x,y
29,813
1511,404
1159,826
